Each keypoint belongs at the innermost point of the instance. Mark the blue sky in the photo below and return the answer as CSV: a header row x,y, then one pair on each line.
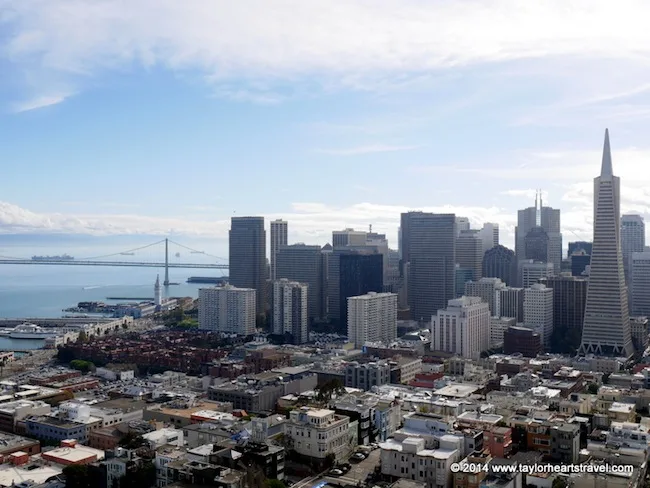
x,y
122,117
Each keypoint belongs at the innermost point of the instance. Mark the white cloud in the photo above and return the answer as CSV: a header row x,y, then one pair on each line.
x,y
375,148
38,102
354,43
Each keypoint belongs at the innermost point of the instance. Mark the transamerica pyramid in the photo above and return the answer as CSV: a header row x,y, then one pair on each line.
x,y
606,327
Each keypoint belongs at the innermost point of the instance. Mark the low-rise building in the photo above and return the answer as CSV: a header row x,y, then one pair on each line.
x,y
316,433
565,443
411,460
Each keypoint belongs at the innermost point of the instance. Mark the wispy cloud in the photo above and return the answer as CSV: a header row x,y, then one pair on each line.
x,y
38,102
374,148
357,44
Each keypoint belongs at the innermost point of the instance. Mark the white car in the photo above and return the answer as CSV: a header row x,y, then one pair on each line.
x,y
335,472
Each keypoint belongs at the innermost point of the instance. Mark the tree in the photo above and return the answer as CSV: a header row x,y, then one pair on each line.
x,y
275,484
592,388
125,326
328,389
83,337
81,365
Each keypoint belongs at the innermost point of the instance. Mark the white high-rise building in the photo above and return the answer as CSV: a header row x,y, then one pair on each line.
x,y
530,272
290,310
488,290
279,237
606,329
632,239
372,318
227,309
640,283
538,311
489,235
462,328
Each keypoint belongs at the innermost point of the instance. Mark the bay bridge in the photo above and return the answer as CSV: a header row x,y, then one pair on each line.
x,y
110,259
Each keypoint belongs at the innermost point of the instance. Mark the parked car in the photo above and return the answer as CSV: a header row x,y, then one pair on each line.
x,y
335,472
359,456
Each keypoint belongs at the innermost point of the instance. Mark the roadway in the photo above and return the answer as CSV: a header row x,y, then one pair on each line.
x,y
131,264
356,476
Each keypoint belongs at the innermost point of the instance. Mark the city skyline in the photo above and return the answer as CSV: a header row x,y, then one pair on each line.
x,y
197,125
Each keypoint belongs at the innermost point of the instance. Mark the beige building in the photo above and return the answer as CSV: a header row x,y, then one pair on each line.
x,y
317,432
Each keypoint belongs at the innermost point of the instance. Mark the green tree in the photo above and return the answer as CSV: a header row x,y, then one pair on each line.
x,y
83,337
592,388
81,365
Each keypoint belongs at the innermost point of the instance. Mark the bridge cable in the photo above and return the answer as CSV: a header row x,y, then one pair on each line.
x,y
122,252
196,250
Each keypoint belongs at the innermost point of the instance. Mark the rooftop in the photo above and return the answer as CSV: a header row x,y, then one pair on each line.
x,y
457,390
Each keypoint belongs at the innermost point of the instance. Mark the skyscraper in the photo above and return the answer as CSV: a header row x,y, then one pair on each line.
x,y
462,328
548,219
429,245
538,311
290,310
227,309
569,299
372,317
640,283
351,273
304,264
279,231
536,245
632,240
606,329
500,262
469,252
247,256
490,235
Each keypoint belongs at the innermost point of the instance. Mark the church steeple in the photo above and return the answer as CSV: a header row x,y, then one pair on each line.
x,y
606,167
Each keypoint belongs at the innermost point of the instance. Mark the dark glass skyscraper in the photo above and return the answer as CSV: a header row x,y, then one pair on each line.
x,y
500,262
247,256
429,245
536,244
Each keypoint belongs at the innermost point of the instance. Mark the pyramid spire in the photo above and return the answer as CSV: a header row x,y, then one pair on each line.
x,y
606,168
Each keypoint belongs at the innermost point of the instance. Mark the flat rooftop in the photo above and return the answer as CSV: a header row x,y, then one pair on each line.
x,y
457,390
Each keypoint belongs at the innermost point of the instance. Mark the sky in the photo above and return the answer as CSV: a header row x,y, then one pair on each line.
x,y
159,116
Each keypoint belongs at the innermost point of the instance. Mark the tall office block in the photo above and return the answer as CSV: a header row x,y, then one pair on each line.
x,y
579,262
247,256
538,311
462,328
429,246
469,252
380,242
489,234
577,246
290,310
548,219
569,301
500,262
530,272
227,309
372,318
536,245
462,225
606,329
632,240
640,283
304,264
279,232
511,303
348,237
488,290
351,273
